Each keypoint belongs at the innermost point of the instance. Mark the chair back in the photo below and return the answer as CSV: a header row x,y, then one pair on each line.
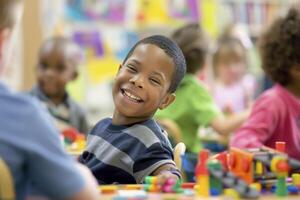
x,y
7,190
172,129
178,152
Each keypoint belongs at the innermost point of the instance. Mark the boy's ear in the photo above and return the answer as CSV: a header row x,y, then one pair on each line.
x,y
167,100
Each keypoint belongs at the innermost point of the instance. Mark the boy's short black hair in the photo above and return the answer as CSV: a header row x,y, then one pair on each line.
x,y
64,45
280,46
172,50
193,42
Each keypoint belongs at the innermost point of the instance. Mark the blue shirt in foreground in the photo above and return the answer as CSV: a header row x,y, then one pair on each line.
x,y
31,148
126,154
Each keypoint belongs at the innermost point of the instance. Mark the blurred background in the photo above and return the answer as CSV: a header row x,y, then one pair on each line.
x,y
106,30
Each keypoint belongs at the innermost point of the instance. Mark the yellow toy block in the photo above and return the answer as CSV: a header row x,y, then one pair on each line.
x,y
259,168
256,186
296,179
231,194
108,189
202,187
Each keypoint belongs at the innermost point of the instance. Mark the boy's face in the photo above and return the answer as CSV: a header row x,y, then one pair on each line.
x,y
54,71
142,84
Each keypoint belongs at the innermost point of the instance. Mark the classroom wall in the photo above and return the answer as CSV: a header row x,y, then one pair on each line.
x,y
106,30
32,38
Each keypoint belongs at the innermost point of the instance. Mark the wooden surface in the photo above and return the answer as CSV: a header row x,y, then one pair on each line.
x,y
183,197
120,193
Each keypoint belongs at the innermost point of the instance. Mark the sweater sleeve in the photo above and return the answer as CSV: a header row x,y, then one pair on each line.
x,y
260,125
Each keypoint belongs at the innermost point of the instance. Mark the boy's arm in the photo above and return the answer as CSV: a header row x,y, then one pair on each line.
x,y
156,160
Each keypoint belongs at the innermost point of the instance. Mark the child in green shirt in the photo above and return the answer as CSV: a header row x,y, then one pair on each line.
x,y
194,106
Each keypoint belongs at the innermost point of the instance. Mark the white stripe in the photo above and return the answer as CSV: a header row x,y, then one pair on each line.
x,y
144,134
108,154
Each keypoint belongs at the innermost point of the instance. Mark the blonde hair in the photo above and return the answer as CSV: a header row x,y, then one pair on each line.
x,y
229,50
8,13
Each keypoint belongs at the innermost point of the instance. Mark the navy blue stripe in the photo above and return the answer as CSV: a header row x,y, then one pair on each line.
x,y
106,174
126,143
156,153
100,127
134,147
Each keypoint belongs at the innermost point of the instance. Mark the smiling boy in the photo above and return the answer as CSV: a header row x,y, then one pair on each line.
x,y
131,145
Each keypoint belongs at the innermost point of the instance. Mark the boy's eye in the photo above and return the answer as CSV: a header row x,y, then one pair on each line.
x,y
131,68
155,81
43,65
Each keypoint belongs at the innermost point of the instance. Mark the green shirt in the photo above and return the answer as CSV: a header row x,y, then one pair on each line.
x,y
192,108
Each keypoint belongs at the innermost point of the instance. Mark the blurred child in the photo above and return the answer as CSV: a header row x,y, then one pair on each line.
x,y
131,145
194,106
275,114
232,89
29,144
58,61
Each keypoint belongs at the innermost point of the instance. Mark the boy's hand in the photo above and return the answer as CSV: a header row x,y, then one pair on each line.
x,y
164,174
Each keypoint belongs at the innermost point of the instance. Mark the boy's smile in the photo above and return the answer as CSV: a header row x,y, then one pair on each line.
x,y
131,96
142,84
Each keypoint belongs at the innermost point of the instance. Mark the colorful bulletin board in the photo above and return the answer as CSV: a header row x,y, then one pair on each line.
x,y
107,29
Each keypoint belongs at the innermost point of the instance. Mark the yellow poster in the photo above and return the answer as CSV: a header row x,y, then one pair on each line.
x,y
102,69
152,12
209,16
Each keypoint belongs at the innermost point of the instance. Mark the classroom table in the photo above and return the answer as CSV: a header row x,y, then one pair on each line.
x,y
181,197
123,193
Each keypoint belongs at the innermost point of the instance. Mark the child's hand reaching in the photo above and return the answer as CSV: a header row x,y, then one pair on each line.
x,y
165,178
165,172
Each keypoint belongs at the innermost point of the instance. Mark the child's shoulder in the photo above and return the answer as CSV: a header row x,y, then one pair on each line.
x,y
192,87
152,131
101,126
273,98
21,102
274,93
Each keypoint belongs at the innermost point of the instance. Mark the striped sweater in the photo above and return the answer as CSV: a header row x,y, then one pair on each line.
x,y
126,154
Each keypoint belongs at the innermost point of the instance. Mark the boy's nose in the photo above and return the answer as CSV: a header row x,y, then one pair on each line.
x,y
49,73
137,81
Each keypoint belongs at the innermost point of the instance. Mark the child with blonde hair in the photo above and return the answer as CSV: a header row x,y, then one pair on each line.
x,y
232,89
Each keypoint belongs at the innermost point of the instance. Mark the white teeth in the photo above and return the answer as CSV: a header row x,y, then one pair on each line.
x,y
132,96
